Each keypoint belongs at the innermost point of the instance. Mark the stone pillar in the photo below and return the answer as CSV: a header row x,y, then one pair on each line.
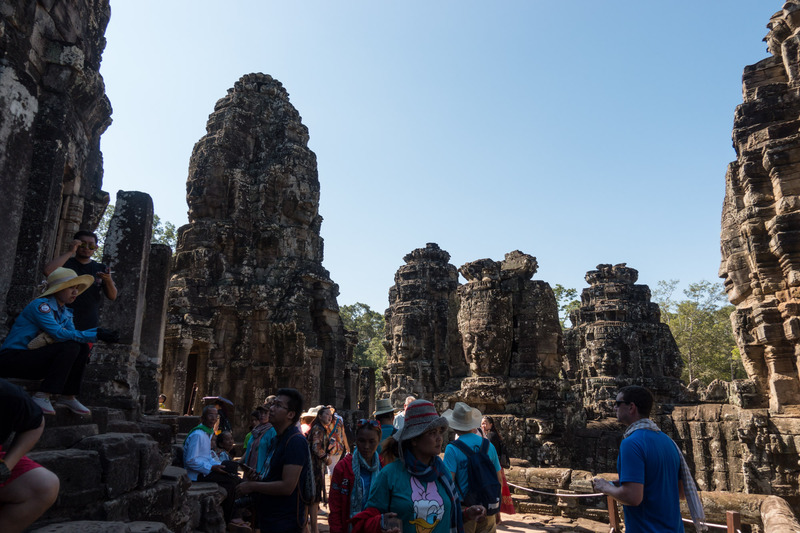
x,y
111,377
366,391
151,343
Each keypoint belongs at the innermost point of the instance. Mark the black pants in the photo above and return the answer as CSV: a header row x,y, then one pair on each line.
x,y
60,365
227,482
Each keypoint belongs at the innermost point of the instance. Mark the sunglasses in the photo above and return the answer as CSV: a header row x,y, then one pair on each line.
x,y
89,246
617,403
365,422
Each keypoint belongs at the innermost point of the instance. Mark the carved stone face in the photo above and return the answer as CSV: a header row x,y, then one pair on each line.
x,y
735,273
405,345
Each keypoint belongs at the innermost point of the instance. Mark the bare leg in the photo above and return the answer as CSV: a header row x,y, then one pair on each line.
x,y
26,499
313,510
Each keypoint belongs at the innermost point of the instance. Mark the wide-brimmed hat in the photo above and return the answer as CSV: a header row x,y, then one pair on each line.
x,y
383,406
420,416
62,278
311,413
463,417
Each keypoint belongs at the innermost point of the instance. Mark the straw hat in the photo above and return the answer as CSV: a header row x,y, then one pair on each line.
x,y
421,416
463,417
383,406
62,278
311,413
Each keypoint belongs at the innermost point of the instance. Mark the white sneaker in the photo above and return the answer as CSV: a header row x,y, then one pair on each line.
x,y
75,406
44,403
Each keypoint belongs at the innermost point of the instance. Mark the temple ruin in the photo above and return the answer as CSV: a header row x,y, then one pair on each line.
x,y
245,304
251,308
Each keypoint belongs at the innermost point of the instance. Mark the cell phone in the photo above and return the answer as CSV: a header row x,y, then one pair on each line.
x,y
245,467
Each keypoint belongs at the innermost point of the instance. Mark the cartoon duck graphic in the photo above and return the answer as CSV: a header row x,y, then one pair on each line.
x,y
428,505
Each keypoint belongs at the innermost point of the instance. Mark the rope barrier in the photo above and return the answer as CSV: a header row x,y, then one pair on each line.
x,y
558,494
598,494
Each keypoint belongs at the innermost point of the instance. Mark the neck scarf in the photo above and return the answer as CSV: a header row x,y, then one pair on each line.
x,y
357,496
201,427
689,488
437,471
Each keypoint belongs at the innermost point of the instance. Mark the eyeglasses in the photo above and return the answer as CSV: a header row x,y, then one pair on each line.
x,y
365,422
278,405
89,246
620,402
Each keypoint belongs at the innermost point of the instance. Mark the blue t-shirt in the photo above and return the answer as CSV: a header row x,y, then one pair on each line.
x,y
651,458
456,462
422,507
283,514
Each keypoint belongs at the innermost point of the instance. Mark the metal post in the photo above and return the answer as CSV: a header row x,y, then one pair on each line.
x,y
613,515
734,520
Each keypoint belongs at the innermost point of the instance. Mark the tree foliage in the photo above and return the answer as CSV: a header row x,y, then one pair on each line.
x,y
567,300
701,326
369,326
163,233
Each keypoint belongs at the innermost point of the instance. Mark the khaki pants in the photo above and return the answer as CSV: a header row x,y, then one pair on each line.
x,y
488,525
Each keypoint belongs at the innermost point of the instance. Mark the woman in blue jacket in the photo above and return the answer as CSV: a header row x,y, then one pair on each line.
x,y
44,344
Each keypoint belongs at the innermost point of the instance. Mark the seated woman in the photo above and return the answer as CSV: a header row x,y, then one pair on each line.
x,y
416,493
353,475
44,344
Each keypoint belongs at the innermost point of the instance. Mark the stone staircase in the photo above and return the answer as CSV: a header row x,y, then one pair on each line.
x,y
116,475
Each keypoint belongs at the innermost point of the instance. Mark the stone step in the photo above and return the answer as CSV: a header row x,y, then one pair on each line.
x,y
88,526
64,436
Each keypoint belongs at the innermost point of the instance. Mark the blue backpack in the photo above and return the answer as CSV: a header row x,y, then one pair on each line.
x,y
484,488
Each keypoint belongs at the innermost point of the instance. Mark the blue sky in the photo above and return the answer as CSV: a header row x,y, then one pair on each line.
x,y
578,132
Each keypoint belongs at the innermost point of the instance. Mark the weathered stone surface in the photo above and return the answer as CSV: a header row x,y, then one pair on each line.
x,y
760,218
422,340
53,110
203,501
111,378
618,339
85,526
119,458
251,307
154,321
778,516
509,323
79,472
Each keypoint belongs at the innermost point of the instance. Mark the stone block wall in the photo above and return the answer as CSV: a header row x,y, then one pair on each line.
x,y
53,110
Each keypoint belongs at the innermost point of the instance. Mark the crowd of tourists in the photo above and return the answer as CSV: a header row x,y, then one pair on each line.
x,y
390,480
393,479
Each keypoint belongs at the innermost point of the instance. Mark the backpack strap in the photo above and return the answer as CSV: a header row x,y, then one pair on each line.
x,y
469,452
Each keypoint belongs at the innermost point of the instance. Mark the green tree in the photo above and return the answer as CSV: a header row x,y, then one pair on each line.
x,y
701,326
163,233
369,326
567,300
102,230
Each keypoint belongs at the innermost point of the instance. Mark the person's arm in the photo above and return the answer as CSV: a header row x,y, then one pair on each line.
x,y
628,493
282,487
109,289
23,442
337,500
60,331
61,259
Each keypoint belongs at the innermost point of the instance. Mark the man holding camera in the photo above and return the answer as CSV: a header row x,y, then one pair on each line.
x,y
86,308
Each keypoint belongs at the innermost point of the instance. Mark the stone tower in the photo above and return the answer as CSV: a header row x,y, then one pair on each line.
x,y
511,336
251,307
422,341
761,216
618,339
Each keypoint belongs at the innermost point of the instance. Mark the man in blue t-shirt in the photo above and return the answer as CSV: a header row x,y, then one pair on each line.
x,y
649,466
465,420
283,511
